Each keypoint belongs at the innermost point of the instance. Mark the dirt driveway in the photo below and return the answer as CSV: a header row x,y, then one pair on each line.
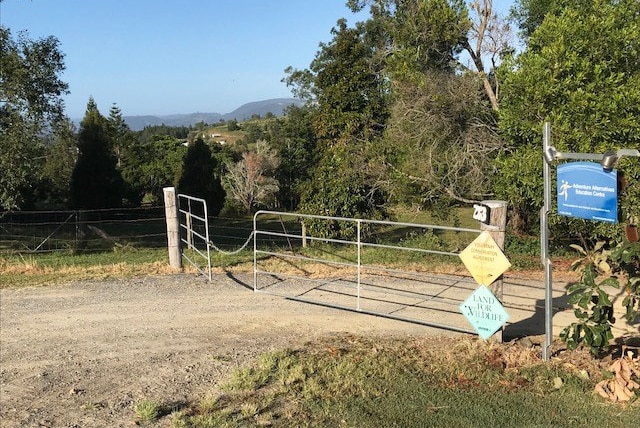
x,y
82,354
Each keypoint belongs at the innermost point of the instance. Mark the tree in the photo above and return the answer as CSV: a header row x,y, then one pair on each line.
x,y
350,108
95,182
296,142
343,185
579,72
251,182
232,125
529,14
198,177
60,161
30,102
423,35
349,91
442,134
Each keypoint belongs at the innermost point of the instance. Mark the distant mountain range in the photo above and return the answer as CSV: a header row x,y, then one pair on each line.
x,y
242,113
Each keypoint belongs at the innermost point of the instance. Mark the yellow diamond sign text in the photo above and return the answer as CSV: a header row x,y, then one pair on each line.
x,y
484,259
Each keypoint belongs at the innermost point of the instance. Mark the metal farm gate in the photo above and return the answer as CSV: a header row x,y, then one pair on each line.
x,y
374,267
194,233
347,273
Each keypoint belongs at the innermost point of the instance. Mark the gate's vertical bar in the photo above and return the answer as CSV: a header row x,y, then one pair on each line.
x,y
255,248
206,234
359,222
544,231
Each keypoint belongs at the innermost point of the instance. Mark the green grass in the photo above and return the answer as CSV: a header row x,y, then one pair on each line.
x,y
371,383
147,411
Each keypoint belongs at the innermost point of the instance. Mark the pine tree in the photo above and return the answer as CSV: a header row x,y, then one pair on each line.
x,y
96,182
198,177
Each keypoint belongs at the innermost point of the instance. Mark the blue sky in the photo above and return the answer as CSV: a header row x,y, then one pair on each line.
x,y
180,56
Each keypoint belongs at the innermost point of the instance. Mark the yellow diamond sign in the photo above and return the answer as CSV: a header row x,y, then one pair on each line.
x,y
484,259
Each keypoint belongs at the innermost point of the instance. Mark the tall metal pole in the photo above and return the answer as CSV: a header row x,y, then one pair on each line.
x,y
544,242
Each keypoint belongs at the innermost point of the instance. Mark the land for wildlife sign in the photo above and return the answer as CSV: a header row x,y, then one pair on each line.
x,y
484,312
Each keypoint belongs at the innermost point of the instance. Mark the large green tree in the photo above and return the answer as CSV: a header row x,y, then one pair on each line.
x,y
199,178
30,103
295,141
581,73
61,158
96,182
349,95
440,58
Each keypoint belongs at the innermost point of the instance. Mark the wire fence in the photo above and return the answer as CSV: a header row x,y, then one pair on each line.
x,y
29,232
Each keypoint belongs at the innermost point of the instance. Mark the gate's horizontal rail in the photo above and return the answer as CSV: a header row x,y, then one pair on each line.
x,y
306,258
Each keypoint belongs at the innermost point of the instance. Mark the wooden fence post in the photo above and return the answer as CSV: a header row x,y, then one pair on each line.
x,y
497,228
173,227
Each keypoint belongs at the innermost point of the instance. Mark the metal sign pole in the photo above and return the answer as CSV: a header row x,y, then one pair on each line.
x,y
550,154
544,242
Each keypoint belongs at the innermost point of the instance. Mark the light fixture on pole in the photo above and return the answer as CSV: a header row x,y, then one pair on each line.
x,y
609,159
550,154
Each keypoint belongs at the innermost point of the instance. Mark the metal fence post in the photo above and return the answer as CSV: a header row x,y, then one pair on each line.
x,y
173,227
544,242
359,243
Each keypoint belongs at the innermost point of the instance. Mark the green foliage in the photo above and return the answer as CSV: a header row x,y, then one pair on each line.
x,y
31,100
198,177
58,168
347,87
341,186
295,141
95,181
580,73
529,14
232,125
518,181
625,261
592,304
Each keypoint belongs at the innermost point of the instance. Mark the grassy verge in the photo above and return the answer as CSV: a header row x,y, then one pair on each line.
x,y
60,267
353,381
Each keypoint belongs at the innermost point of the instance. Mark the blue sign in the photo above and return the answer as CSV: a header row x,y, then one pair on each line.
x,y
586,190
484,312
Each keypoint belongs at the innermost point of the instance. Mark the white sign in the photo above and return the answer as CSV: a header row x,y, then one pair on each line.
x,y
481,213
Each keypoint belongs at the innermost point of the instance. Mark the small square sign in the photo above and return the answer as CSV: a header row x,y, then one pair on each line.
x,y
484,312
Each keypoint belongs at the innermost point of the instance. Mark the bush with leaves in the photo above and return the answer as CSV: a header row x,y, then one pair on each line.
x,y
602,267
